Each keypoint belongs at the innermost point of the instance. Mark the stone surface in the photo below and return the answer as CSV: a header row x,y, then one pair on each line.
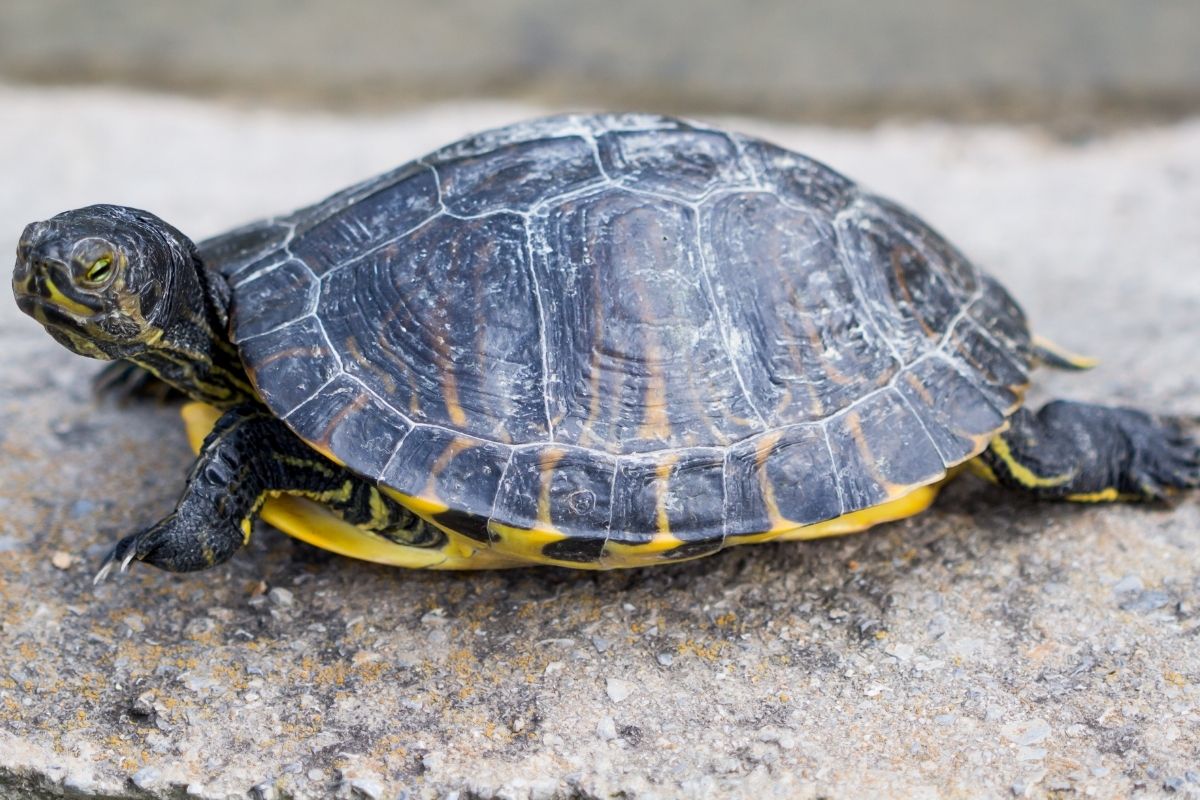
x,y
991,646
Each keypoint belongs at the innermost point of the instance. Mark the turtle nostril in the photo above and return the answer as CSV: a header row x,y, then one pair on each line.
x,y
30,275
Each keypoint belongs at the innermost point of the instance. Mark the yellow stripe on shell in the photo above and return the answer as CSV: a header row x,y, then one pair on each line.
x,y
662,474
526,544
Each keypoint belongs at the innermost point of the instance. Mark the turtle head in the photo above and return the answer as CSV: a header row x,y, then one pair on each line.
x,y
103,280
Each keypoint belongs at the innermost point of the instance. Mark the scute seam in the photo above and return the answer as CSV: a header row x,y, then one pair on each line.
x,y
723,323
924,428
541,314
499,486
389,242
837,484
860,293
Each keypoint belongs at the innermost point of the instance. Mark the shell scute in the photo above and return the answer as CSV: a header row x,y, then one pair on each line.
x,y
880,451
517,176
627,320
906,289
454,477
670,499
796,179
781,480
380,212
563,490
687,163
446,326
347,420
290,364
804,344
273,298
949,407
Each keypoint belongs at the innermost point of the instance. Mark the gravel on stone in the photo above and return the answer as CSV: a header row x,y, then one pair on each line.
x,y
992,646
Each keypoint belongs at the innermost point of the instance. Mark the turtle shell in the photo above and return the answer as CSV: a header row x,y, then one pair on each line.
x,y
609,333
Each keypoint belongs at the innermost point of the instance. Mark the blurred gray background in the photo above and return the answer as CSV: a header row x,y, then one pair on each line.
x,y
1070,63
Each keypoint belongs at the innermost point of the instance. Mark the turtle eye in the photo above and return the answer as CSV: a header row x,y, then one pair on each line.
x,y
99,271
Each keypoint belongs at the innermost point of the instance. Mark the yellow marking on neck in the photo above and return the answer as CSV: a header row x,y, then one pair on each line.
x,y
309,463
1023,474
79,344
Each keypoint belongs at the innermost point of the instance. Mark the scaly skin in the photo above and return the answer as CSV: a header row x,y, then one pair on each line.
x,y
249,455
1088,453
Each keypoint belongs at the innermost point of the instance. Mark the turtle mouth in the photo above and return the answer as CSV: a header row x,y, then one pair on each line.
x,y
79,334
39,294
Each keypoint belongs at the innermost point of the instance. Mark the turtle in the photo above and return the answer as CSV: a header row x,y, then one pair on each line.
x,y
587,340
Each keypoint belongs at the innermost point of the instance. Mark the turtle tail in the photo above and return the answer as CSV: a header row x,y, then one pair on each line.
x,y
1047,354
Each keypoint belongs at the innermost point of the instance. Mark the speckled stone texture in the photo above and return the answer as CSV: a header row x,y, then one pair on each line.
x,y
992,646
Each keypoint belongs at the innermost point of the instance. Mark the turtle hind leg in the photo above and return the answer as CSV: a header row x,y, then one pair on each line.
x,y
1090,453
249,456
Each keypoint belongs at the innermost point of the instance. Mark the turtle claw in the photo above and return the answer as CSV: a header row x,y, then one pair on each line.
x,y
177,543
1168,459
120,557
102,573
146,545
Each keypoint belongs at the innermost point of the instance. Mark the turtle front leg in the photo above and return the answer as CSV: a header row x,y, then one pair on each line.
x,y
1088,453
249,456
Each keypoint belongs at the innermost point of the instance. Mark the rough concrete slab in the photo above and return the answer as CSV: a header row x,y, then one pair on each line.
x,y
991,647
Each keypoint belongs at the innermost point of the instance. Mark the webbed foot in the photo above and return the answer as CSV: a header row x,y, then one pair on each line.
x,y
1165,458
1088,454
